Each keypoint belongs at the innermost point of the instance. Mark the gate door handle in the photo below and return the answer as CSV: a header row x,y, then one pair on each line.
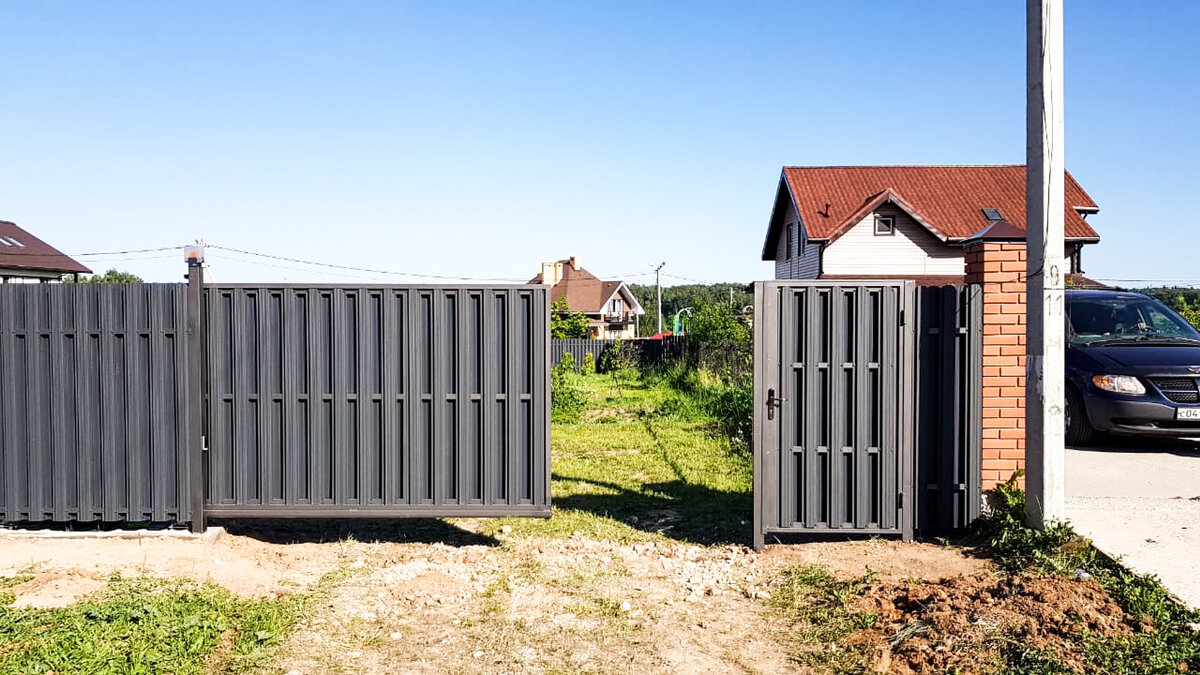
x,y
773,402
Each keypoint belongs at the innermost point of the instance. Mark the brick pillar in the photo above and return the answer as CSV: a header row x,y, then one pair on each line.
x,y
999,267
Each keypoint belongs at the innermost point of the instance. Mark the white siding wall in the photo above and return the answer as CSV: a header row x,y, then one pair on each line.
x,y
911,250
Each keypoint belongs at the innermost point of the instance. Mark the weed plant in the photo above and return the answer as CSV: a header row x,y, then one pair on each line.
x,y
1169,645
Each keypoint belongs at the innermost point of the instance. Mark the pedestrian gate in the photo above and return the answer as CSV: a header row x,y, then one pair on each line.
x,y
866,408
833,448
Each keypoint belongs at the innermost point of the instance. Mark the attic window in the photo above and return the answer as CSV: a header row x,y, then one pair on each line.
x,y
992,215
885,225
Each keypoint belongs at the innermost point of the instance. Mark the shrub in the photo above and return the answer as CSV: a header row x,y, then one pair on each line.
x,y
567,362
589,364
567,398
732,406
565,324
717,323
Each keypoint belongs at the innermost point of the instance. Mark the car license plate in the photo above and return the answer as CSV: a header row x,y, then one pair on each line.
x,y
1187,413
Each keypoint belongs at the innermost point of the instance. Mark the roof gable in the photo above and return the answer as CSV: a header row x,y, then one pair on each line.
x,y
584,292
22,251
946,200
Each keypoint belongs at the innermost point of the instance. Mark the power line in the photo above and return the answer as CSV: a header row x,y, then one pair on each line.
x,y
144,257
226,257
697,281
356,269
140,250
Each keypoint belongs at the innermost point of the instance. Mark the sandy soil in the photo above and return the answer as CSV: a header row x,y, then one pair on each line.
x,y
511,606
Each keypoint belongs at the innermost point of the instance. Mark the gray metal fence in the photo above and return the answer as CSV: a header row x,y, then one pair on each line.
x,y
867,407
645,351
167,403
93,397
357,401
578,349
833,408
949,406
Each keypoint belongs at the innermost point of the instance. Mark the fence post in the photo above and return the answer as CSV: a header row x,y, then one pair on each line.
x,y
195,387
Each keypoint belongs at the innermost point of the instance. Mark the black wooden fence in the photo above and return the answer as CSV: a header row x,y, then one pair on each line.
x,y
164,403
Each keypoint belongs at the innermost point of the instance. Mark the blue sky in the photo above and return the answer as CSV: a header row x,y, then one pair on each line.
x,y
475,140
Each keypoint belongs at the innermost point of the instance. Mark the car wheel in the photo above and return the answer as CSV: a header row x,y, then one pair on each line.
x,y
1079,429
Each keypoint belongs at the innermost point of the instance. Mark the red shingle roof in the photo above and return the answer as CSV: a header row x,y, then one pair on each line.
x,y
946,199
23,251
582,289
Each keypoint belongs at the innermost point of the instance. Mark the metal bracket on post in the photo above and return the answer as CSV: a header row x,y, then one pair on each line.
x,y
195,390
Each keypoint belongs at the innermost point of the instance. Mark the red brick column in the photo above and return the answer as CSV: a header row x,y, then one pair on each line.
x,y
999,267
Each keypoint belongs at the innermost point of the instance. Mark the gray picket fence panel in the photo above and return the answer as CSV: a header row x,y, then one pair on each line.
x,y
949,408
377,401
93,393
867,408
168,403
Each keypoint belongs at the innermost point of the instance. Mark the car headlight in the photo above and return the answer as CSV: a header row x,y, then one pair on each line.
x,y
1119,384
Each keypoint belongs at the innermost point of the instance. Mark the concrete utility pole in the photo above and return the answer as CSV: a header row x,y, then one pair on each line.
x,y
658,285
1045,463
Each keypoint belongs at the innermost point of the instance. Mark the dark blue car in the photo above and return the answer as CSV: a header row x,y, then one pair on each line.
x,y
1132,368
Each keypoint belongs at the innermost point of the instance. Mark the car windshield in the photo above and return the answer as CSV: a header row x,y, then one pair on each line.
x,y
1119,318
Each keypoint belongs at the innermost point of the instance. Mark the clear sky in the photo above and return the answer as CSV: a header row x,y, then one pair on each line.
x,y
477,139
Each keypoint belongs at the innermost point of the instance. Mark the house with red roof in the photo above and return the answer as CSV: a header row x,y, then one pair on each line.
x,y
610,306
26,259
905,222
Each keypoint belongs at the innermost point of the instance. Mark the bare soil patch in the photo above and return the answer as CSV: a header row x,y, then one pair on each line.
x,y
545,604
65,570
965,624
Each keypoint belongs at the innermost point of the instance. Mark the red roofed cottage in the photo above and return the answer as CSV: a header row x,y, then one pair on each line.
x,y
610,306
901,221
24,258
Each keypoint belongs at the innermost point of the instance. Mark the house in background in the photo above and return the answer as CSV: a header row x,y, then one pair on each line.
x,y
26,259
610,306
905,222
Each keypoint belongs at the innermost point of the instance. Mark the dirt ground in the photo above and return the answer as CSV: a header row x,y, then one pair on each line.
x,y
955,625
482,605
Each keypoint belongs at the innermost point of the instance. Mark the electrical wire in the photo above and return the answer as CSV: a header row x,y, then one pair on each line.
x,y
356,269
140,250
145,257
249,261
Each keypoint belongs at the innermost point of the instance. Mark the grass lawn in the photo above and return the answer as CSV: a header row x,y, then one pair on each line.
x,y
643,463
144,625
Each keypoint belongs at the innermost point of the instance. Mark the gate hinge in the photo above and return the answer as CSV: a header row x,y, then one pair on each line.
x,y
902,318
900,500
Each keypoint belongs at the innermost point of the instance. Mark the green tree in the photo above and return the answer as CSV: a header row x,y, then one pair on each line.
x,y
717,323
110,277
565,324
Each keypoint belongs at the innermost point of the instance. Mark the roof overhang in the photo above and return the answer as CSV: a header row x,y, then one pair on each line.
x,y
888,196
630,298
773,226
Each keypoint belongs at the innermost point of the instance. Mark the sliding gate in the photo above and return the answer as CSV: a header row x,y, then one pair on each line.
x,y
833,402
165,403
376,401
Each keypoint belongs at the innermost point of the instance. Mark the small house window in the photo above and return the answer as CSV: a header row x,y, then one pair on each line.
x,y
885,225
787,235
616,306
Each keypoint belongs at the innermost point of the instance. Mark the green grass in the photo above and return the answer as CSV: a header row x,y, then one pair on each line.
x,y
144,625
819,607
644,462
